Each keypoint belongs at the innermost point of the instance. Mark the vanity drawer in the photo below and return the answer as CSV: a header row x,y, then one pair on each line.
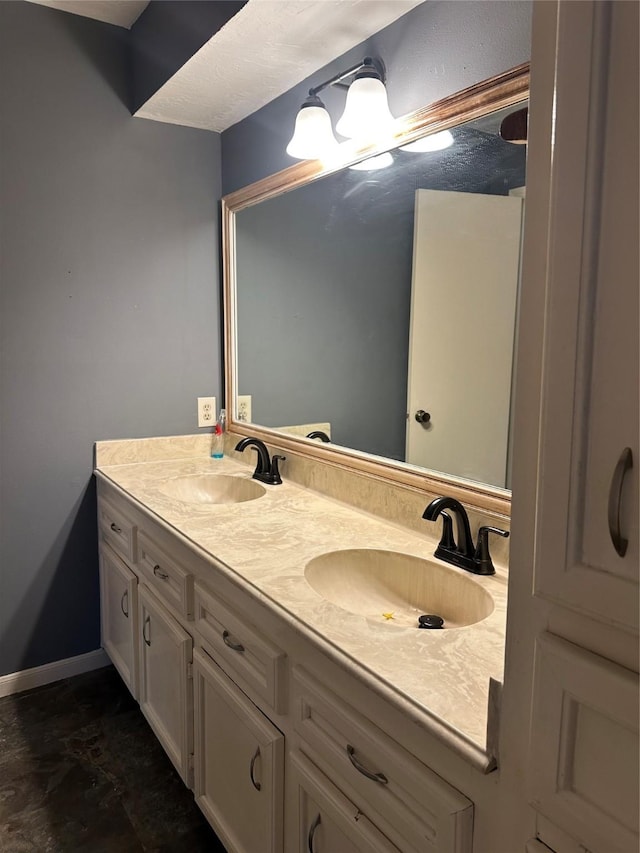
x,y
414,807
166,576
120,533
249,658
323,819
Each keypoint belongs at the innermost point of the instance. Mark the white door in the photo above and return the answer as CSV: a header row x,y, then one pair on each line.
x,y
166,686
119,616
239,764
466,258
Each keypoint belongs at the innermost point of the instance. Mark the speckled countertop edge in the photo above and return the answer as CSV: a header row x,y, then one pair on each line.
x,y
440,678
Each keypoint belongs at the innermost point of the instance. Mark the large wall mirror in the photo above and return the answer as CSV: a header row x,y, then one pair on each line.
x,y
373,305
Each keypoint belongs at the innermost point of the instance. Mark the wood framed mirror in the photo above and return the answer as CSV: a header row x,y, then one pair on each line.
x,y
326,273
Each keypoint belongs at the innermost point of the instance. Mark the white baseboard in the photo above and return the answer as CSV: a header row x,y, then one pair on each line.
x,y
16,682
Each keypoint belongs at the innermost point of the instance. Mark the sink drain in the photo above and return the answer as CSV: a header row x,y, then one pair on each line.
x,y
430,620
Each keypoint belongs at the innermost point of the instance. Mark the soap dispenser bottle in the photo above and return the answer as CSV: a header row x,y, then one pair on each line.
x,y
217,442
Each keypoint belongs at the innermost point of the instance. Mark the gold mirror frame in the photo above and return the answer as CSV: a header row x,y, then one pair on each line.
x,y
504,90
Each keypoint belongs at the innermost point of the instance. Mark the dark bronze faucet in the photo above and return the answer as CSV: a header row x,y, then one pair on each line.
x,y
461,553
266,468
318,433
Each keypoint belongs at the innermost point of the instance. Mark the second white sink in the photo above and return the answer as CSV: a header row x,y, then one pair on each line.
x,y
212,489
394,588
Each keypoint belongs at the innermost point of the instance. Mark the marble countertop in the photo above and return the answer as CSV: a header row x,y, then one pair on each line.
x,y
441,676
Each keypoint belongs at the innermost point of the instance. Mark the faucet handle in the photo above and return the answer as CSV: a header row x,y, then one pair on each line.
x,y
482,556
447,540
274,473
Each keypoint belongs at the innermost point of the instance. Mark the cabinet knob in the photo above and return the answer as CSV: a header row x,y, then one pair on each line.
x,y
115,527
125,597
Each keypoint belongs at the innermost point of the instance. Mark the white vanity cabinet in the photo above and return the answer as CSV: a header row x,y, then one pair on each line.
x,y
239,764
413,807
587,547
166,681
240,678
322,819
572,653
118,591
141,630
283,750
119,616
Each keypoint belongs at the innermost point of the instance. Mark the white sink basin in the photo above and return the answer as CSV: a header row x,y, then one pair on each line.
x,y
212,489
393,588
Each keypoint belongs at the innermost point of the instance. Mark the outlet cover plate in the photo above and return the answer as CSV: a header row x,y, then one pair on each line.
x,y
206,411
244,408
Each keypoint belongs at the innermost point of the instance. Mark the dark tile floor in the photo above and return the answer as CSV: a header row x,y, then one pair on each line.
x,y
81,772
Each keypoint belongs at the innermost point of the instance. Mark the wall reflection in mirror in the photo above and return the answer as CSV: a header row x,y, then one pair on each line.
x,y
378,305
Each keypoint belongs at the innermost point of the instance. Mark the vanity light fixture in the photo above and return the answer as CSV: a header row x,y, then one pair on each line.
x,y
366,114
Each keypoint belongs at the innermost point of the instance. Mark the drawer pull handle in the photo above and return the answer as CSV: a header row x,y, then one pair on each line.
x,y
255,784
125,596
115,527
312,832
147,621
375,777
226,637
625,463
159,573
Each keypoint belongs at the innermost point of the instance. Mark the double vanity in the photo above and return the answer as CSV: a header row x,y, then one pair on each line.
x,y
270,635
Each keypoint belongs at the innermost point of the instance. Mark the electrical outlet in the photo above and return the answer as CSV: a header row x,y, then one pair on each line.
x,y
244,408
206,411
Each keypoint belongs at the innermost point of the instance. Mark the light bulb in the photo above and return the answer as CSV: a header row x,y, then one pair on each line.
x,y
366,114
433,142
313,137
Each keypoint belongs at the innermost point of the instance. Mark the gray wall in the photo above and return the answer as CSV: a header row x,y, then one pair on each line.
x,y
109,312
436,49
323,310
109,276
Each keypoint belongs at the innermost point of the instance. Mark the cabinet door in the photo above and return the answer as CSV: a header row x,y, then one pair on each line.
x,y
323,819
239,764
584,746
413,806
166,685
119,616
587,542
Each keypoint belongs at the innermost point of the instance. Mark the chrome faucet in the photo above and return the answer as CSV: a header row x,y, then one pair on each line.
x,y
266,468
462,553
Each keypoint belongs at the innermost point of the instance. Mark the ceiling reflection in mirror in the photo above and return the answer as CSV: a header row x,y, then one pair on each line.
x,y
378,306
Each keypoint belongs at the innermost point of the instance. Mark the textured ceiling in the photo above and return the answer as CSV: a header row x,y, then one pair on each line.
x,y
265,49
122,13
260,53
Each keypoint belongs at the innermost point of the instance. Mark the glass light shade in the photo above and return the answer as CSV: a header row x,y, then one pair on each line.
x,y
366,113
381,161
433,142
313,137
